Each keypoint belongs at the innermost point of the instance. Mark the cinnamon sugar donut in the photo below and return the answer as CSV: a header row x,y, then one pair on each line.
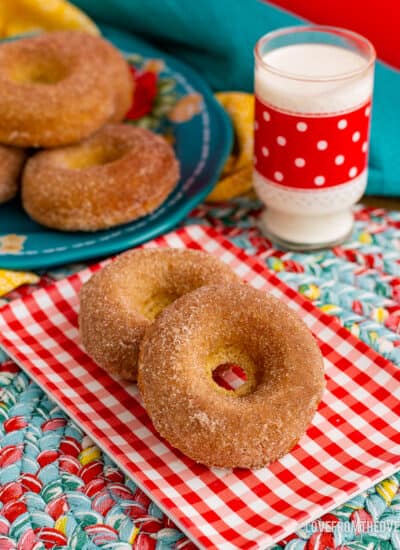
x,y
121,301
11,163
117,175
58,88
120,77
214,326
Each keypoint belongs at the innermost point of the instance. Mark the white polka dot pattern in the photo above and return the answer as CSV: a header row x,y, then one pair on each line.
x,y
310,151
299,162
339,159
301,126
281,141
352,172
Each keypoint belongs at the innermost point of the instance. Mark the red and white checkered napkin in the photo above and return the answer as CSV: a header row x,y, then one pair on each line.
x,y
352,442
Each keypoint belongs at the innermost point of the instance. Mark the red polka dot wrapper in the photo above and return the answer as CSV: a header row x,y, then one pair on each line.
x,y
310,151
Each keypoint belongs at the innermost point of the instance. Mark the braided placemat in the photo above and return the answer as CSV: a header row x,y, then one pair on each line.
x,y
58,490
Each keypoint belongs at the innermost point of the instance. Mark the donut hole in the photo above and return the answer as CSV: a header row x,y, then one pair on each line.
x,y
83,157
232,372
155,304
229,376
45,72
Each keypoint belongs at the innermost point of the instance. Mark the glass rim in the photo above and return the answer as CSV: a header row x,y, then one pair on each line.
x,y
328,29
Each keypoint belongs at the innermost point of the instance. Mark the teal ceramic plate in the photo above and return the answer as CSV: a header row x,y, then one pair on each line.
x,y
201,134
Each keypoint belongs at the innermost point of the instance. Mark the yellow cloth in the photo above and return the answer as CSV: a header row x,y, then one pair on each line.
x,y
9,280
236,177
23,16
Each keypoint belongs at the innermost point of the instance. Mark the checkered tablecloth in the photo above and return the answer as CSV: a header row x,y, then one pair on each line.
x,y
59,491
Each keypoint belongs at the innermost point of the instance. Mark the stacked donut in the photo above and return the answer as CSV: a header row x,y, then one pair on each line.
x,y
67,93
172,319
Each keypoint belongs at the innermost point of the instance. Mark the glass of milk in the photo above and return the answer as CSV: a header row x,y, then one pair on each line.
x,y
313,88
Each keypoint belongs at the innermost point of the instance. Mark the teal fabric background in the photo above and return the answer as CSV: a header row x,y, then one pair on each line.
x,y
216,37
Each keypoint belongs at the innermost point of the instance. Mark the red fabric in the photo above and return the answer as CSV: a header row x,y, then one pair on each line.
x,y
355,424
378,21
306,151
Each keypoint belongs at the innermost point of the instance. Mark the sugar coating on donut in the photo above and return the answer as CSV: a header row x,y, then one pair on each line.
x,y
11,163
59,87
227,429
116,176
122,82
121,301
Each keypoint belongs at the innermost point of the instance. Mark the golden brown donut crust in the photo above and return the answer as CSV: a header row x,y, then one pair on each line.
x,y
58,88
121,301
121,78
11,163
221,324
117,175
